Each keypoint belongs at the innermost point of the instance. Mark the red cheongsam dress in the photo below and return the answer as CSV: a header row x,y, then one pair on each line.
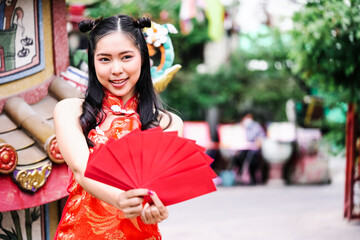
x,y
84,216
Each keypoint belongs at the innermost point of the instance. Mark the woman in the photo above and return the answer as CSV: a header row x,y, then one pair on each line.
x,y
120,98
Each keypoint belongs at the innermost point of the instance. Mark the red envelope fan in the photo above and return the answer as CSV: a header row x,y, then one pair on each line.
x,y
177,169
100,168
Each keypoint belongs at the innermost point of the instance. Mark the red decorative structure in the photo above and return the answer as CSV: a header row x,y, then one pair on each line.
x,y
13,198
2,59
352,181
54,152
60,42
8,158
33,175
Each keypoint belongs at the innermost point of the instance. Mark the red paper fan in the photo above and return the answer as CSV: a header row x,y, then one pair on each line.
x,y
176,168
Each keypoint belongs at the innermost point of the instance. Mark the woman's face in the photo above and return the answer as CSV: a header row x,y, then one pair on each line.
x,y
117,64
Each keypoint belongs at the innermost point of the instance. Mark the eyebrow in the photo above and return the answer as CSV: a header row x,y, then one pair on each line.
x,y
108,54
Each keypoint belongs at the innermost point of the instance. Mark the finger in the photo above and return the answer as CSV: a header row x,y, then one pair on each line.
x,y
149,217
132,212
155,198
138,192
130,202
155,213
159,214
135,201
143,214
157,202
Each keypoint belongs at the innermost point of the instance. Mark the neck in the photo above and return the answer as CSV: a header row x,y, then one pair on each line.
x,y
117,104
120,99
125,100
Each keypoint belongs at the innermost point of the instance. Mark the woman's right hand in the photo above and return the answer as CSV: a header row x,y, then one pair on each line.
x,y
131,202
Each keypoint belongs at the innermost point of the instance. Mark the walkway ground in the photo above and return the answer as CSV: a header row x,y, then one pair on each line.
x,y
270,212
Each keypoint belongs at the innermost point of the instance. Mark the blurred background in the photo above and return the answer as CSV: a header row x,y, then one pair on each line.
x,y
292,65
270,88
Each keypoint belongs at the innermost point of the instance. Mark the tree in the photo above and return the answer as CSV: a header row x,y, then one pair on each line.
x,y
325,50
326,55
325,47
237,87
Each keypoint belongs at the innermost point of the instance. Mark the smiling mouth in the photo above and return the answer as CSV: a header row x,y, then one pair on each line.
x,y
118,81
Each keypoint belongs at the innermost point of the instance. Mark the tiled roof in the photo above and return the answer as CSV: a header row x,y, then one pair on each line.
x,y
27,139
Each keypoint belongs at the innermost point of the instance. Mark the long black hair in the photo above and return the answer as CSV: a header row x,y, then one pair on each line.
x,y
149,103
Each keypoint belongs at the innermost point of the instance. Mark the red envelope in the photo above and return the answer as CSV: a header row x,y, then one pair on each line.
x,y
122,155
99,171
176,168
183,186
151,143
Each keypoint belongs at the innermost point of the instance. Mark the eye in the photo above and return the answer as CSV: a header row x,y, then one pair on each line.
x,y
127,57
103,59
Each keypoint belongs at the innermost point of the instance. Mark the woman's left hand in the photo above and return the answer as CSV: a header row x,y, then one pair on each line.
x,y
154,213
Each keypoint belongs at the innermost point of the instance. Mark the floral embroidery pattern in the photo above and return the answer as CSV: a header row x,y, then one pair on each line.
x,y
86,217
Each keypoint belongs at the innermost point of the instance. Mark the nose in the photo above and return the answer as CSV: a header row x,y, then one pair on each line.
x,y
117,68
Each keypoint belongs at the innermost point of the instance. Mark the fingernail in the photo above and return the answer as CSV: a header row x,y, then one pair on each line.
x,y
150,192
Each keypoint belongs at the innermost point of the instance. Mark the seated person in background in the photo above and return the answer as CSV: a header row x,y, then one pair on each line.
x,y
248,162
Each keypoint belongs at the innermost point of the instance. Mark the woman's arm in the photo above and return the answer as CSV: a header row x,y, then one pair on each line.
x,y
73,147
175,125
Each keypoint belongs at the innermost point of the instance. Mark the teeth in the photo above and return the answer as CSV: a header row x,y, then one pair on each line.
x,y
121,81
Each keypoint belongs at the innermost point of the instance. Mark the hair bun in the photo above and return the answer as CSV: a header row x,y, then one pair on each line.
x,y
88,24
143,22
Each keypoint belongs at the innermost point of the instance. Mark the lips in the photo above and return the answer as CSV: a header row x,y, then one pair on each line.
x,y
118,83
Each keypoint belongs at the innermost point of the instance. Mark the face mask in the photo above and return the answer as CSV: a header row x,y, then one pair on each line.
x,y
247,121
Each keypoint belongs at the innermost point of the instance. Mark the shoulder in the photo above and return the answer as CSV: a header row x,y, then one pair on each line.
x,y
70,102
171,122
68,106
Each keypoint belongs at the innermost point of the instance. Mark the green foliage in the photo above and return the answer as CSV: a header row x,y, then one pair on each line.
x,y
193,93
188,48
268,90
326,46
335,138
180,96
235,88
135,8
325,53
